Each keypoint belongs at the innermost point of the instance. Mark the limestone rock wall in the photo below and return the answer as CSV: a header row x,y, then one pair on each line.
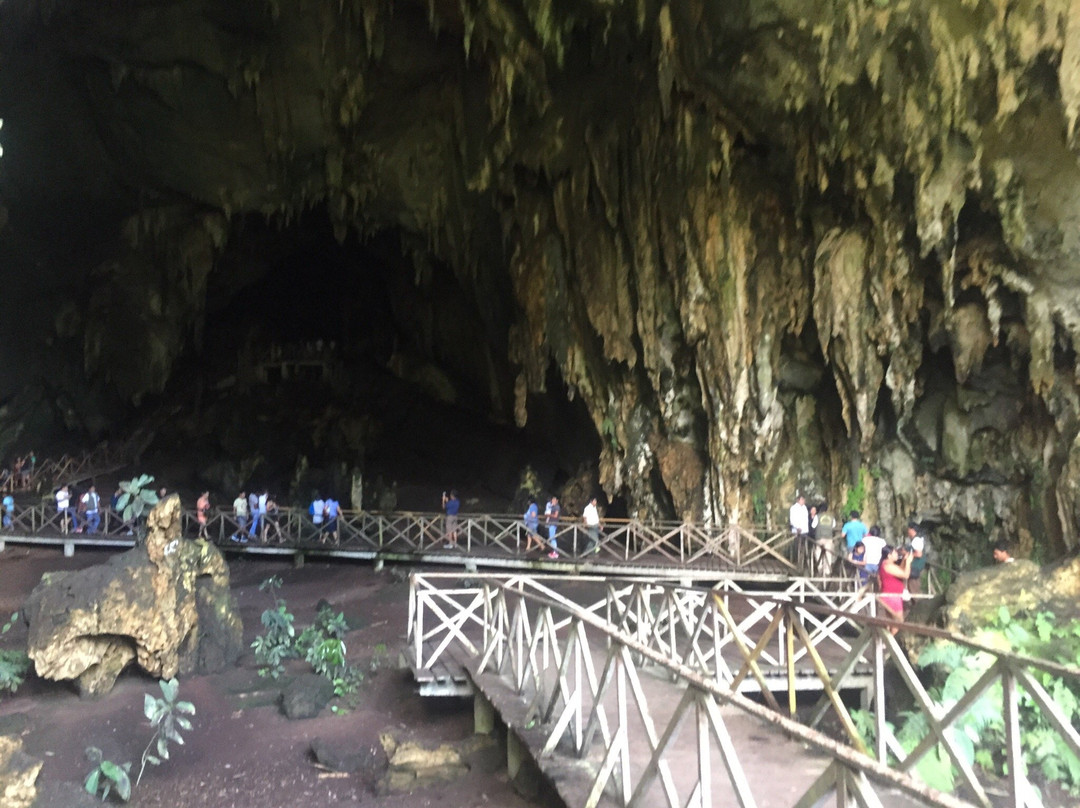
x,y
773,246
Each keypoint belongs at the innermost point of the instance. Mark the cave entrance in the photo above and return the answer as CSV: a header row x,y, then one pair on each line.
x,y
320,358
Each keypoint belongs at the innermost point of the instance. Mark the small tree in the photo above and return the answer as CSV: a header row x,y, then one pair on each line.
x,y
167,717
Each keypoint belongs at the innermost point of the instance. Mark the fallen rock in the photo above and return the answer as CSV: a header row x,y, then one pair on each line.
x,y
165,605
337,757
412,766
306,695
18,774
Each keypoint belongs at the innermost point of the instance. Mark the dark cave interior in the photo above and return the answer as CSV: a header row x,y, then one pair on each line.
x,y
320,357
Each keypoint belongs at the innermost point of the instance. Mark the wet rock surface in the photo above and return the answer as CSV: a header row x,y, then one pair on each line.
x,y
164,605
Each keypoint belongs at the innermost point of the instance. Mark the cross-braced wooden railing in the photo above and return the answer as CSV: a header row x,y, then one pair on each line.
x,y
682,544
103,459
576,662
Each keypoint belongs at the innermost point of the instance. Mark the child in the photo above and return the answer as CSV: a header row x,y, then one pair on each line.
x,y
857,557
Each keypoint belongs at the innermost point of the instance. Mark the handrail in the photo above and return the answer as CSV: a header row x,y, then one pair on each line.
x,y
65,469
668,543
660,542
501,622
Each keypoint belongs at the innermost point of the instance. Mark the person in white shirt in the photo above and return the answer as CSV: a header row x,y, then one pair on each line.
x,y
917,549
799,519
63,509
875,545
591,517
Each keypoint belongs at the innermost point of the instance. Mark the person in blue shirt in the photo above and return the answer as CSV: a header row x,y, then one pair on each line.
x,y
854,531
330,525
452,505
9,510
532,527
551,519
857,557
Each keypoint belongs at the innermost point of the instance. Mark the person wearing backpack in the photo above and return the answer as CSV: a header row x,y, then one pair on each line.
x,y
919,556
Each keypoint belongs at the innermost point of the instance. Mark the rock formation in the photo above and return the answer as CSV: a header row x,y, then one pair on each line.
x,y
165,605
769,245
18,774
974,599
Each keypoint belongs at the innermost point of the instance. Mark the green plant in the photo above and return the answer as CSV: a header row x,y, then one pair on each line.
x,y
321,644
136,497
979,733
276,645
167,715
13,663
327,657
379,656
107,776
856,495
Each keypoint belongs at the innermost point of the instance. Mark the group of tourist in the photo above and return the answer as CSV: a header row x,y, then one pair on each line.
x,y
80,512
894,570
257,516
590,517
20,474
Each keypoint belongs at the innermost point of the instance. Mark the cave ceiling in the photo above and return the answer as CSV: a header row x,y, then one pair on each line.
x,y
771,246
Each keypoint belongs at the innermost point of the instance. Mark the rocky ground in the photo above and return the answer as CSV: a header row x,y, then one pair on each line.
x,y
242,752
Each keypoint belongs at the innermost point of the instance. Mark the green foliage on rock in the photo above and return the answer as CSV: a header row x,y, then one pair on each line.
x,y
136,497
856,495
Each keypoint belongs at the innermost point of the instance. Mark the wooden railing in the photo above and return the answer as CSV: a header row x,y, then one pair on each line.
x,y
626,541
69,469
564,651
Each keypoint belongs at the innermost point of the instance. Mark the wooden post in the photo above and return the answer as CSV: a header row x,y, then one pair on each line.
x,y
790,659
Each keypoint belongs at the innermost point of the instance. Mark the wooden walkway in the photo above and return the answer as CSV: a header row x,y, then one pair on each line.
x,y
488,540
637,698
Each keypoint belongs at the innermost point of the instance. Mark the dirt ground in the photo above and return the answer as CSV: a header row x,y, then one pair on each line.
x,y
243,752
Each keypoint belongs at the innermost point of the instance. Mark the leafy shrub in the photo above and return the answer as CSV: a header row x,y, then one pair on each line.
x,y
979,734
14,664
321,644
137,496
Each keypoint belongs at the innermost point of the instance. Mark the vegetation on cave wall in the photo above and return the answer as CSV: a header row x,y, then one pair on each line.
x,y
769,244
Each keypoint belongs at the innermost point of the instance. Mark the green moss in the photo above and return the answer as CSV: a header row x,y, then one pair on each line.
x,y
856,495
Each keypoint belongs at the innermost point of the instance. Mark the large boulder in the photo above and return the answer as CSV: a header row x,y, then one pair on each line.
x,y
165,605
1020,586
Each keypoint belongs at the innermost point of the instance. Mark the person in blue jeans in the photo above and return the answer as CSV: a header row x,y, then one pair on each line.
x,y
92,509
9,510
551,519
452,506
531,518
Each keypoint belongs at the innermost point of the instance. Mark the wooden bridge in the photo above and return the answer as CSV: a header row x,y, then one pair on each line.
x,y
622,691
620,679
